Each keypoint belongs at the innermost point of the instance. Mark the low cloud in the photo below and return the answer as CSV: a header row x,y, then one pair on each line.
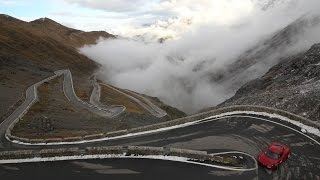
x,y
12,2
112,5
189,71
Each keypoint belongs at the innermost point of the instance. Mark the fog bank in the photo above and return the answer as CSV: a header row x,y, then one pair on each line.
x,y
179,70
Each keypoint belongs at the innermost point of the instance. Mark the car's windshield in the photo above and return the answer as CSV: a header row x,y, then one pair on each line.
x,y
272,155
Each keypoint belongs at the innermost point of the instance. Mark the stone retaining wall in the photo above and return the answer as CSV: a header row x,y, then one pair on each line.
x,y
142,150
120,151
191,153
171,123
104,150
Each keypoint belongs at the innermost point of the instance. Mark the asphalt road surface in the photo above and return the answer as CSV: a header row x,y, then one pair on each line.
x,y
95,100
118,169
143,102
68,90
249,134
147,104
31,95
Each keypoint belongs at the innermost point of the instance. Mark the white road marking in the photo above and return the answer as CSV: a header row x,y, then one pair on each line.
x,y
205,120
114,156
270,122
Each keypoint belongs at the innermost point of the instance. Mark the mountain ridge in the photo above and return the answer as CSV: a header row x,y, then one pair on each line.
x,y
33,51
292,85
30,52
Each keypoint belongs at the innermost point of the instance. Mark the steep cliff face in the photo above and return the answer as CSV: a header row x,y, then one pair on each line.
x,y
292,85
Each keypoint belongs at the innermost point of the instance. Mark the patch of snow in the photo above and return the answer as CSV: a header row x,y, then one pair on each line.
x,y
111,138
309,129
303,92
122,156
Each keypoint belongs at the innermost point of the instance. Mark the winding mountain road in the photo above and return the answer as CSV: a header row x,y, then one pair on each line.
x,y
242,132
142,101
148,105
119,169
31,98
68,90
95,100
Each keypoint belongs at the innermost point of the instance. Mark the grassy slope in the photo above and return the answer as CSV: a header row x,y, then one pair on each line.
x,y
54,116
31,51
112,97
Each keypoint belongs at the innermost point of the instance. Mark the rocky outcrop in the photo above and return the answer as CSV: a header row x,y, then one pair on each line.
x,y
266,53
292,85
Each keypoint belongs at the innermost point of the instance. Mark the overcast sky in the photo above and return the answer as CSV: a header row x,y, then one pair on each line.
x,y
121,16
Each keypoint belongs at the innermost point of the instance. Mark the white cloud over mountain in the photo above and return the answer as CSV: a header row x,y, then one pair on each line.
x,y
168,17
206,40
113,5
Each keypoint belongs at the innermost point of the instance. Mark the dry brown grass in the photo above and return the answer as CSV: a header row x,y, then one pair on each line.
x,y
112,97
67,120
46,44
82,86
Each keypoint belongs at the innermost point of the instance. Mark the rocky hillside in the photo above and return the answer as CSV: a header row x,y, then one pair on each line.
x,y
32,51
46,43
292,85
66,35
268,52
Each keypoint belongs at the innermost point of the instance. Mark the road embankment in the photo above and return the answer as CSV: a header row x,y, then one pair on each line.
x,y
199,157
182,122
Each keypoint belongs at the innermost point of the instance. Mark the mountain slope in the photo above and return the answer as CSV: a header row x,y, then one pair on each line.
x,y
295,38
32,51
267,52
292,85
39,43
66,35
28,54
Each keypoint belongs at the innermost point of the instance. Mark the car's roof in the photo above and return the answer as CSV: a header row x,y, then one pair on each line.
x,y
276,148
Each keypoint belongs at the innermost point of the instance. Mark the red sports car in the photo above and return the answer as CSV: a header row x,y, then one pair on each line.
x,y
276,154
